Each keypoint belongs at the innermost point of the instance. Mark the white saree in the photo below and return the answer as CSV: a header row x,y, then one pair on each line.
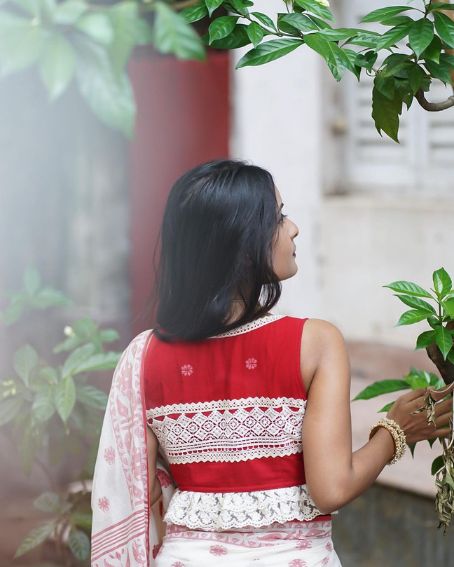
x,y
123,533
126,534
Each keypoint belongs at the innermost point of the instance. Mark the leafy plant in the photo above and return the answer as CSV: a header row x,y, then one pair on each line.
x,y
49,410
436,306
90,43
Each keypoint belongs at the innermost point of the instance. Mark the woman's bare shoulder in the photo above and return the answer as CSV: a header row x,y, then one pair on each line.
x,y
319,337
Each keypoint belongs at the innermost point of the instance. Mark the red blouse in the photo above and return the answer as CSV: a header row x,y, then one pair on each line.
x,y
228,410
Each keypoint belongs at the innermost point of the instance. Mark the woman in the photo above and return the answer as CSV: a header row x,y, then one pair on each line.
x,y
210,409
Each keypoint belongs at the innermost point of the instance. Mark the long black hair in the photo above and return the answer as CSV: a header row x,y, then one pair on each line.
x,y
217,233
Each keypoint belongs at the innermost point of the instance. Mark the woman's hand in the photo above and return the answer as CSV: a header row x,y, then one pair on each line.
x,y
415,425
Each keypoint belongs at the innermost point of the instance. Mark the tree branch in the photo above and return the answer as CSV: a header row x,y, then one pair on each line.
x,y
434,106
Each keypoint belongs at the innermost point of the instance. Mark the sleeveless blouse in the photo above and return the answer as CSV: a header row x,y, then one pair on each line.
x,y
228,413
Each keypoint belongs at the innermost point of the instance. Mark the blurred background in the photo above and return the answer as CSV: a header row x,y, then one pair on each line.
x,y
81,204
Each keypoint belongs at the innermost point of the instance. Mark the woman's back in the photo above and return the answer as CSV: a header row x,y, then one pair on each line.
x,y
228,414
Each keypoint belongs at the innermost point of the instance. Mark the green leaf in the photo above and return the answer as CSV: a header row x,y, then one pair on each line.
x,y
255,33
92,397
413,316
97,26
384,13
21,43
386,407
36,537
334,56
238,38
25,360
386,112
9,408
48,297
418,79
381,387
421,35
417,380
212,5
339,34
442,282
67,13
264,20
127,26
76,359
437,464
100,361
43,407
194,13
392,36
269,51
412,301
444,341
366,39
314,7
222,27
79,544
291,23
433,51
445,28
172,34
425,339
397,21
440,6
108,335
106,92
240,6
448,307
82,520
47,502
65,397
439,71
409,288
57,65
366,60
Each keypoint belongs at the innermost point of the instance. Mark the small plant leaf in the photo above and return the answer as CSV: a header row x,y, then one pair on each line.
x,y
269,51
425,339
36,537
91,396
79,544
412,301
386,407
65,397
442,282
444,341
408,288
9,408
413,316
47,502
384,13
222,27
445,28
76,359
421,35
437,464
25,360
381,387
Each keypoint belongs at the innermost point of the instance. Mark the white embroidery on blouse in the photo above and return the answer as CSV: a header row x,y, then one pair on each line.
x,y
249,326
187,369
229,430
215,511
250,363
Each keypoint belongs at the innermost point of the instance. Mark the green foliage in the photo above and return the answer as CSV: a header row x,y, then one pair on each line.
x,y
49,407
90,44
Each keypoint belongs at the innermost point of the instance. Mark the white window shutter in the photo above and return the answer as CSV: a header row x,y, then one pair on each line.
x,y
424,159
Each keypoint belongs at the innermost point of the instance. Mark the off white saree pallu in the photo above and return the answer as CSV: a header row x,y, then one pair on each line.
x,y
125,534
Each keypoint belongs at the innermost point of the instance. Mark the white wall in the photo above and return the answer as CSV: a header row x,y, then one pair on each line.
x,y
276,125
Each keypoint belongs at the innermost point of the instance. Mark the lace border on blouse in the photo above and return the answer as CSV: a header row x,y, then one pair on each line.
x,y
215,511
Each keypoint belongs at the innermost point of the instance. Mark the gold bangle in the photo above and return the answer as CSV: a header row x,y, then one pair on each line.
x,y
398,435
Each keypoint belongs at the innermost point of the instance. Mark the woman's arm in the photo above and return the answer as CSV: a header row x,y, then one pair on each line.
x,y
334,474
154,486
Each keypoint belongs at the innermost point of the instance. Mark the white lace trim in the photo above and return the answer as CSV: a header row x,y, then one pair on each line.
x,y
249,326
225,510
229,430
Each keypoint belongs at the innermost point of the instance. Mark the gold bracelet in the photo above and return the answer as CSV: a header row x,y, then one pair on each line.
x,y
400,441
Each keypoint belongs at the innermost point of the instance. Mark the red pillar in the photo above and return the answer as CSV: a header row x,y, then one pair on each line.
x,y
183,120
